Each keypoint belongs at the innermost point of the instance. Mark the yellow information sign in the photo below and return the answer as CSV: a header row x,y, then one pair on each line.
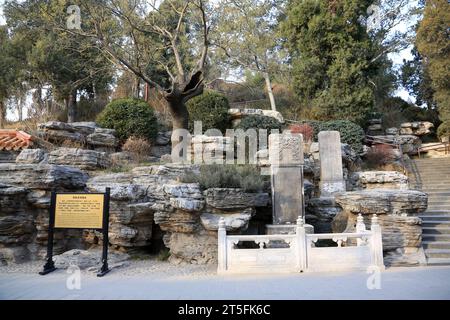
x,y
79,211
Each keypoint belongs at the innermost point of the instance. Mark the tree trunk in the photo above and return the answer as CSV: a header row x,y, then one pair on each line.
x,y
180,120
2,114
179,113
137,87
20,109
72,107
270,92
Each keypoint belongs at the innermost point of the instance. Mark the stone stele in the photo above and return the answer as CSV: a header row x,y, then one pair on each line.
x,y
331,174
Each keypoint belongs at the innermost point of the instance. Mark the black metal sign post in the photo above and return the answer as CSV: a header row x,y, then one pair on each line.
x,y
50,265
104,269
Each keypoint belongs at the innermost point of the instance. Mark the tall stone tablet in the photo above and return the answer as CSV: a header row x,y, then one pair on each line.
x,y
331,175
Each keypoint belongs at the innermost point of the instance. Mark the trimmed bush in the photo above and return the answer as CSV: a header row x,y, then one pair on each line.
x,y
211,108
129,117
246,177
259,122
444,129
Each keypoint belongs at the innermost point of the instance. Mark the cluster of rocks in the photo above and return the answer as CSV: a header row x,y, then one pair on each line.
x,y
398,212
87,134
416,128
187,215
237,114
409,143
378,180
25,191
74,157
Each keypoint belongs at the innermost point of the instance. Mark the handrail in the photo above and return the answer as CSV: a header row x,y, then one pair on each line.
x,y
435,146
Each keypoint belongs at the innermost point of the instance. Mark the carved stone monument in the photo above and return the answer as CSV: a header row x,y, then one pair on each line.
x,y
286,160
331,175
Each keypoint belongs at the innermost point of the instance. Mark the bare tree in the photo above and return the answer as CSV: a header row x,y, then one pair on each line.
x,y
164,45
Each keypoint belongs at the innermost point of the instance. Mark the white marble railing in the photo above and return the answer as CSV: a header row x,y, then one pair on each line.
x,y
297,252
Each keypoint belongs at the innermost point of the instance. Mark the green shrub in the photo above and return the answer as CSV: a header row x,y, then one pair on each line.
x,y
246,177
259,122
351,133
129,117
211,108
444,129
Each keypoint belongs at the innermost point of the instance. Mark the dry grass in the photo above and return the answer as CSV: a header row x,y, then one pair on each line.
x,y
139,148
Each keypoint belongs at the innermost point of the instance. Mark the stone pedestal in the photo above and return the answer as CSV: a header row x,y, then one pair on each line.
x,y
331,175
284,229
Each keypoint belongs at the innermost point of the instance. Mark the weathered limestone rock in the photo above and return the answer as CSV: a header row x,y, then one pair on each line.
x,y
83,133
178,221
134,200
100,139
84,159
42,176
85,259
400,225
331,174
374,127
233,221
274,114
187,204
31,156
320,213
184,190
383,201
392,131
84,127
234,198
56,125
163,138
409,143
208,149
417,128
379,180
237,114
8,156
120,158
197,248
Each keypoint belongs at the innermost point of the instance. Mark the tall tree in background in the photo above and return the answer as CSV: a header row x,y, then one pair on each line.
x,y
165,44
332,57
65,61
433,45
11,68
246,35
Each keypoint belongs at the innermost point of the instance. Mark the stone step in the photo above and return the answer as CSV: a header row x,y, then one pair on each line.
x,y
436,230
435,223
436,245
435,213
438,202
439,207
438,262
437,253
439,193
434,217
435,237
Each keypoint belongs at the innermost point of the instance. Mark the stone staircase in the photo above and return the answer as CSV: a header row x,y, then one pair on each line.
x,y
432,176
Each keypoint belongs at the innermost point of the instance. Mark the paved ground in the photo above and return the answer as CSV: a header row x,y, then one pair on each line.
x,y
203,283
